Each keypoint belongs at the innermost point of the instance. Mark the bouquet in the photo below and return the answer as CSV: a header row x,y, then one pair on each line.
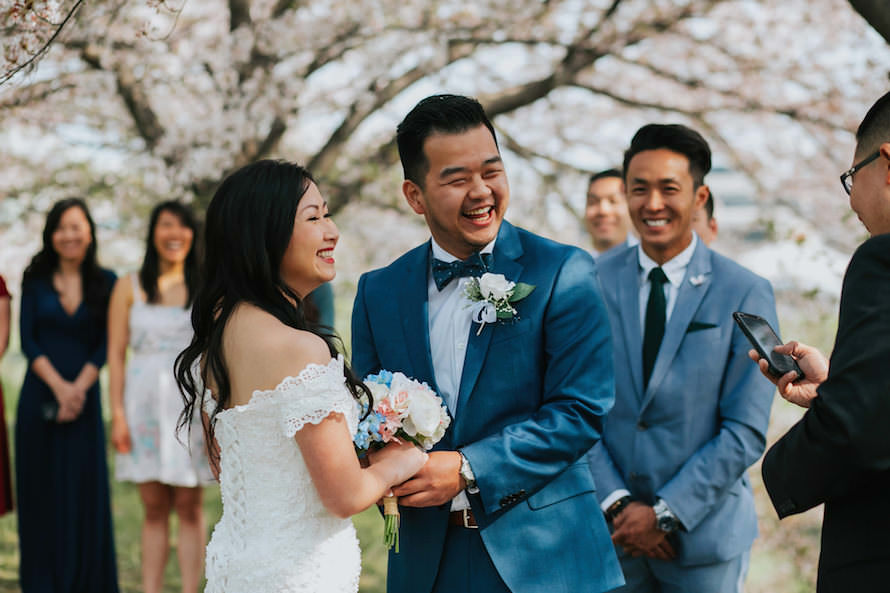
x,y
403,409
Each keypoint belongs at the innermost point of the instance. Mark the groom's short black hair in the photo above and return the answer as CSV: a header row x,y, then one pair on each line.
x,y
442,114
676,138
875,127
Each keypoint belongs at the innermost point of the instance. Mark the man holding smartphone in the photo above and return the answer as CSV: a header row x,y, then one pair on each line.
x,y
839,452
690,412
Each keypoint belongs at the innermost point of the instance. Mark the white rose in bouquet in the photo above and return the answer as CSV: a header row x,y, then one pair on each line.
x,y
424,415
378,391
495,286
436,436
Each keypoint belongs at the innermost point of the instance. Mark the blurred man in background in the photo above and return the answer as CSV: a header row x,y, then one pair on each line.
x,y
606,216
703,222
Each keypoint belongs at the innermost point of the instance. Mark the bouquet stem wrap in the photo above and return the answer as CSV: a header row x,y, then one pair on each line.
x,y
391,522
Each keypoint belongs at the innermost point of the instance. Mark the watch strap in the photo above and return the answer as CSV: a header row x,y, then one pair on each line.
x,y
616,507
466,472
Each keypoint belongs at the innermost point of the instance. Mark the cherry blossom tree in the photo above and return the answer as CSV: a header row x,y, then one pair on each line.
x,y
135,102
129,103
185,92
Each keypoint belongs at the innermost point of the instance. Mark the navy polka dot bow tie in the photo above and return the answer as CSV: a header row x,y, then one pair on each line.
x,y
444,271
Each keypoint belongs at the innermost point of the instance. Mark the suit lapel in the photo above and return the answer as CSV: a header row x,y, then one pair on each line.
x,y
629,314
689,297
415,315
507,250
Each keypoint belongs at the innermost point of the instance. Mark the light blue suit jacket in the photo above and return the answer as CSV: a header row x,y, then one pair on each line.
x,y
691,435
532,397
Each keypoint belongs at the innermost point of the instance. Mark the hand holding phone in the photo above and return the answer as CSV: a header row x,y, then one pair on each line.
x,y
764,339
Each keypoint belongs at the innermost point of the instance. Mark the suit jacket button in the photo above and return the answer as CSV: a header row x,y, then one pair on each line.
x,y
642,425
521,493
504,502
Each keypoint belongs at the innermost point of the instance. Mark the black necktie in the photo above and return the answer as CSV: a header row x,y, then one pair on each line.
x,y
444,271
656,312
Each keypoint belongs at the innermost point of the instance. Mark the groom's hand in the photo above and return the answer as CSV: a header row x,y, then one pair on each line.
x,y
437,482
635,530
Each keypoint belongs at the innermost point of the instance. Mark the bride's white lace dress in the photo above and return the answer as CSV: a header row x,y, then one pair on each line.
x,y
275,535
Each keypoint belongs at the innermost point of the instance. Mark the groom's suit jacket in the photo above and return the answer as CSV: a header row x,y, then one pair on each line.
x,y
532,397
701,422
839,452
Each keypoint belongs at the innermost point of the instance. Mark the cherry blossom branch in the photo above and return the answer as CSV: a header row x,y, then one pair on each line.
x,y
360,110
5,77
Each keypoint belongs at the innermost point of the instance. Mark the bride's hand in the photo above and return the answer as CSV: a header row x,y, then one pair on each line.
x,y
403,460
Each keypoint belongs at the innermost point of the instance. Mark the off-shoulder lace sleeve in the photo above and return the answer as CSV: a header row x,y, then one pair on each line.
x,y
313,395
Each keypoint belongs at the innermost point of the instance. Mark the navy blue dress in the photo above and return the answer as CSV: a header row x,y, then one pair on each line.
x,y
64,510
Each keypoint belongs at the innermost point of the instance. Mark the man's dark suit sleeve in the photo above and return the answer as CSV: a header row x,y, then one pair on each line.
x,y
364,355
846,432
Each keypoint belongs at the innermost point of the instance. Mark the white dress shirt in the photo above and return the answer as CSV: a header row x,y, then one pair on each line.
x,y
450,317
675,270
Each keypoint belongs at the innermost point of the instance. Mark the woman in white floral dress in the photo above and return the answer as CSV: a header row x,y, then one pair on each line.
x,y
151,313
281,404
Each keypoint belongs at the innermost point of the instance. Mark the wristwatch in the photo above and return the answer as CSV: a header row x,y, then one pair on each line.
x,y
616,507
665,520
467,474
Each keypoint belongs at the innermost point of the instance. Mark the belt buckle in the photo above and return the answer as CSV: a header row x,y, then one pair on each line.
x,y
465,516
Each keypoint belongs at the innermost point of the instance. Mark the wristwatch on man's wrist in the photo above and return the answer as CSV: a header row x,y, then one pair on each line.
x,y
665,519
616,507
466,472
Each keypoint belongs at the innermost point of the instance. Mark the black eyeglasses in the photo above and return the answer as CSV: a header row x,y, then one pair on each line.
x,y
847,176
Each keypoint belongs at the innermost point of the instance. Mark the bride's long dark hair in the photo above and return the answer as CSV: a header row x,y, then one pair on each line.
x,y
247,230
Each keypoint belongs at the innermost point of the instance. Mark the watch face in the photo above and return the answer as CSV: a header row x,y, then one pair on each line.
x,y
665,524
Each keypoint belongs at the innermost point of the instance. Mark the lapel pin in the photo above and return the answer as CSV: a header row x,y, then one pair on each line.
x,y
697,280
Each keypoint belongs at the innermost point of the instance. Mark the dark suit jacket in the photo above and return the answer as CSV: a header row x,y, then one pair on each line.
x,y
839,452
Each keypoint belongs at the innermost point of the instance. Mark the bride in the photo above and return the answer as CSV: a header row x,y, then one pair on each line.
x,y
281,402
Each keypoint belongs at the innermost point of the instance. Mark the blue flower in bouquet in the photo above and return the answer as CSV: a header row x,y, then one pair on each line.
x,y
368,431
384,377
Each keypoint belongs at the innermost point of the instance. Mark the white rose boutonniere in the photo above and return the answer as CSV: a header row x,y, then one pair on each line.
x,y
492,297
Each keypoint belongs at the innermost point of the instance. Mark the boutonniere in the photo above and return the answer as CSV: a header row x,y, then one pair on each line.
x,y
697,280
492,297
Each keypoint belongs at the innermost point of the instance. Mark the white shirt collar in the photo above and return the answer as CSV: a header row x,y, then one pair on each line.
x,y
674,268
443,255
629,241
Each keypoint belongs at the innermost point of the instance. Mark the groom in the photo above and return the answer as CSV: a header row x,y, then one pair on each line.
x,y
506,501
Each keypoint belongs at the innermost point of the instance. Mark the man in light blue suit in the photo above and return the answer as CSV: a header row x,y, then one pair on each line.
x,y
498,506
690,413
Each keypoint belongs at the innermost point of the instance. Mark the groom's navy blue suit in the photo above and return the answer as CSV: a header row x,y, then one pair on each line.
x,y
532,398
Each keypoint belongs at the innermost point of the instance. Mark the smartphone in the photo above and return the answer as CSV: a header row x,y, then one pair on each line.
x,y
764,339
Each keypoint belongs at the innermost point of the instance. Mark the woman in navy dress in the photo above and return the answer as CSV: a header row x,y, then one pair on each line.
x,y
64,510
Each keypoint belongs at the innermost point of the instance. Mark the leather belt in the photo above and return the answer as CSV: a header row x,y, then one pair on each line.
x,y
463,518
